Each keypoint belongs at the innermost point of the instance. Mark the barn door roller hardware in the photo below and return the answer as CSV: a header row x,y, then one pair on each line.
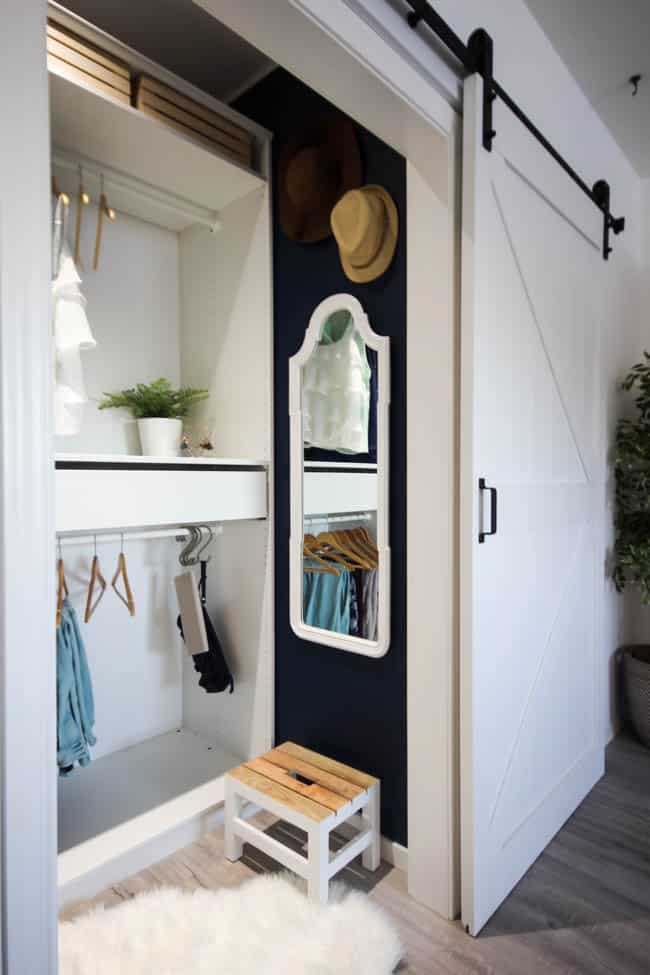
x,y
477,58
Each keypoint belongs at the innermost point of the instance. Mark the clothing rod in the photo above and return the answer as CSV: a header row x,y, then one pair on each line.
x,y
362,516
476,57
137,187
88,538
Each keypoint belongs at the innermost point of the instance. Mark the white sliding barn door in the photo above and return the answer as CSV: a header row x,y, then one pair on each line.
x,y
530,429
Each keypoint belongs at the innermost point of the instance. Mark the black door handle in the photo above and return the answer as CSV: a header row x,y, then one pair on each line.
x,y
482,486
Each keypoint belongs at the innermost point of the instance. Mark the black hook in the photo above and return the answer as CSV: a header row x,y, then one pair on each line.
x,y
634,80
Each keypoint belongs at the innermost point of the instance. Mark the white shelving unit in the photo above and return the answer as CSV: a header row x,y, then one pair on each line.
x,y
198,310
150,170
98,494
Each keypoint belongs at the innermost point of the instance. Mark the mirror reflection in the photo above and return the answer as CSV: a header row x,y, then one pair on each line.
x,y
340,555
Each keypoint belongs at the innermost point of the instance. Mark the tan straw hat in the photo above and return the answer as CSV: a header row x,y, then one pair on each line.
x,y
365,225
315,169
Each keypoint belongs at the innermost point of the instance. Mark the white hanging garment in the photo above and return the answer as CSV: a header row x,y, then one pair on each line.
x,y
336,389
71,333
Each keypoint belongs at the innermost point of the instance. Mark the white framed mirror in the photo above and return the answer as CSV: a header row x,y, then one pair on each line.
x,y
339,401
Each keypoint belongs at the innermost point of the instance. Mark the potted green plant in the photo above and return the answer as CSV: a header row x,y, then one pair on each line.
x,y
632,543
159,410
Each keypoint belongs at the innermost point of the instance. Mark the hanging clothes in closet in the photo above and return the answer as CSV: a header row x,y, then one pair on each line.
x,y
75,702
337,389
71,330
340,590
209,663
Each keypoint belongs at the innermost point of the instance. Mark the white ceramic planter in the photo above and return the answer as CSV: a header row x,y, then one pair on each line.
x,y
160,437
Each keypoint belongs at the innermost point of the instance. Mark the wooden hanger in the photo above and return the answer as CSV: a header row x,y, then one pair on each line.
x,y
103,210
121,571
323,564
62,590
96,578
341,549
360,541
82,201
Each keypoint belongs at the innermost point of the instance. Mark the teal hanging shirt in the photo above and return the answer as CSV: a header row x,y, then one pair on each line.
x,y
75,704
326,599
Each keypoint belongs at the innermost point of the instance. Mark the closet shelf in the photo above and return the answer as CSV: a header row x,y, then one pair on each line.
x,y
134,147
98,494
339,491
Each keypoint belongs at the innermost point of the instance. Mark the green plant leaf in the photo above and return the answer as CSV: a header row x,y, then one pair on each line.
x,y
157,400
631,461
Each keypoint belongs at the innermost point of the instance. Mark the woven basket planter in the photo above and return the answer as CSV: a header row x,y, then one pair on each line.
x,y
636,687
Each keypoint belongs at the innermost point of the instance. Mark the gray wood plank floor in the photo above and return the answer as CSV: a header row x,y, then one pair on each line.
x,y
583,907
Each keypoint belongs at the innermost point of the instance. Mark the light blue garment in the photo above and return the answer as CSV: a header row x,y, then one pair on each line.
x,y
326,599
75,705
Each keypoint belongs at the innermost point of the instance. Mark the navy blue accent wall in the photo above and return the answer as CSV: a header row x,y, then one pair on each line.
x,y
344,705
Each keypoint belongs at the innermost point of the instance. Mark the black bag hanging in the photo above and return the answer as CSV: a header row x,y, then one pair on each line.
x,y
211,665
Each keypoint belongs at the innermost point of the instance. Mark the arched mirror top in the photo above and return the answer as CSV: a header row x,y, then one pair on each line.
x,y
331,321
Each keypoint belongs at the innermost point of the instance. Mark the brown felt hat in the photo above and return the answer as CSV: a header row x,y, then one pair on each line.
x,y
365,225
315,169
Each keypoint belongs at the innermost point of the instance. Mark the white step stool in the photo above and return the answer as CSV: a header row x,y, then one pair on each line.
x,y
313,793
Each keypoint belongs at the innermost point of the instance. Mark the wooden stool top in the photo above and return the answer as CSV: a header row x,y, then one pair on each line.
x,y
330,785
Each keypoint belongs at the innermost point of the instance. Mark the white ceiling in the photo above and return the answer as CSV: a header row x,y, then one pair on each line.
x,y
184,38
603,42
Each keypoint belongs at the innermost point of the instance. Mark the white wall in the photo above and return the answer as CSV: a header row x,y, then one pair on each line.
x,y
133,310
226,313
135,662
239,600
27,660
225,296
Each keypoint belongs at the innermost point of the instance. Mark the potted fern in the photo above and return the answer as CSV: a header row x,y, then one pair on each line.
x,y
159,410
632,544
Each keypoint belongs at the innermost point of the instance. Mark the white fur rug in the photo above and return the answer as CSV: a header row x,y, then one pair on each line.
x,y
265,927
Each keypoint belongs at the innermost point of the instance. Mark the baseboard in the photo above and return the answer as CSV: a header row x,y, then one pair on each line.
x,y
159,847
394,853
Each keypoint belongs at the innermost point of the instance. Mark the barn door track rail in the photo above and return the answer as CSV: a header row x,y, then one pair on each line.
x,y
477,57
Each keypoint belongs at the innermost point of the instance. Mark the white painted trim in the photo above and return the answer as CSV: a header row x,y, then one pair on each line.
x,y
27,590
468,497
376,42
395,854
381,344
432,390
